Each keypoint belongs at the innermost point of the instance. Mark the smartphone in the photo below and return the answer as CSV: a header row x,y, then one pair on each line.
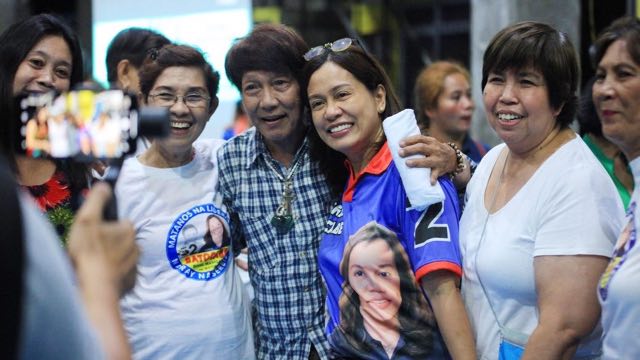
x,y
83,125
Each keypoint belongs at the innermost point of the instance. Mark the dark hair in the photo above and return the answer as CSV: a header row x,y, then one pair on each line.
x,y
537,45
177,55
366,69
132,44
625,28
587,117
15,44
430,85
416,318
269,47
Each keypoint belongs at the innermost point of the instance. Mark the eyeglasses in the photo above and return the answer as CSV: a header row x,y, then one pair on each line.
x,y
167,99
336,46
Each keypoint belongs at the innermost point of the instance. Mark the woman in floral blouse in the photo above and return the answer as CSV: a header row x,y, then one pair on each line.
x,y
39,55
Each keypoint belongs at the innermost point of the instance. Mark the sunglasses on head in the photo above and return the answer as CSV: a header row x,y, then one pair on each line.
x,y
336,46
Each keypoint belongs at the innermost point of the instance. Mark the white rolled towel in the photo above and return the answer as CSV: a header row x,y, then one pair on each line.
x,y
416,181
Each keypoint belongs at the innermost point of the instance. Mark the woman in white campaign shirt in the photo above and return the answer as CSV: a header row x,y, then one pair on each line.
x,y
616,95
189,301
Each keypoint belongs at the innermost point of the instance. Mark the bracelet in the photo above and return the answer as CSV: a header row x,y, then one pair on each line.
x,y
459,161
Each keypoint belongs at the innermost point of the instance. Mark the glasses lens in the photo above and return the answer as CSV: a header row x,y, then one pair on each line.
x,y
315,51
195,100
164,99
341,45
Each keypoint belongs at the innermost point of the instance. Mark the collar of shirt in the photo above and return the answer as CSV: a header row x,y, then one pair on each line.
x,y
256,147
378,164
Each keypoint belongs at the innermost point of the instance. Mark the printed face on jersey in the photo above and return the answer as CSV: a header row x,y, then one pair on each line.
x,y
374,277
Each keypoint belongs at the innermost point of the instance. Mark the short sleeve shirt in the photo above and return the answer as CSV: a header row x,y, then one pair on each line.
x,y
188,297
428,238
283,265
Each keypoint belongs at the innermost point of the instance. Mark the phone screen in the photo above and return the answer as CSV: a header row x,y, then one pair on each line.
x,y
79,124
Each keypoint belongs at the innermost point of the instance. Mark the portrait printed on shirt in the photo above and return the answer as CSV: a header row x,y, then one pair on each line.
x,y
198,242
625,243
383,312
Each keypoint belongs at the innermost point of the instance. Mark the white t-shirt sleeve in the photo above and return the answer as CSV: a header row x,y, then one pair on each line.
x,y
580,215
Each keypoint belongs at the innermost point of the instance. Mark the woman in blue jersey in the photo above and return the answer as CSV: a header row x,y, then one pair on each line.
x,y
349,95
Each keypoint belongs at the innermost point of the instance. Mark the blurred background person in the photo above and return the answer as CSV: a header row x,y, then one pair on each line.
x,y
37,134
444,106
193,304
608,153
540,207
41,54
126,54
616,95
239,124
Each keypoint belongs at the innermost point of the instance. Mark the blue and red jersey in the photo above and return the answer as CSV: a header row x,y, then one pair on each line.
x,y
429,237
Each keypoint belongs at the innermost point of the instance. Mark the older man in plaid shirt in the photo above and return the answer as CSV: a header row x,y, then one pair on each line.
x,y
276,195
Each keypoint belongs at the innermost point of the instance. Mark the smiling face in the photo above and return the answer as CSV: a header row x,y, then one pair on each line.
x,y
374,277
616,95
272,103
517,106
455,106
46,67
345,113
187,123
216,229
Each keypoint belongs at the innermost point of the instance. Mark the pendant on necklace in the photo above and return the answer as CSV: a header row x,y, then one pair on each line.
x,y
283,218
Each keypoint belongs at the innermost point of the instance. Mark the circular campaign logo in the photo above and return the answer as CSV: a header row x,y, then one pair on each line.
x,y
198,243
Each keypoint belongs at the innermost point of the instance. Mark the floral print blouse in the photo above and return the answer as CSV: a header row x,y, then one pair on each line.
x,y
58,201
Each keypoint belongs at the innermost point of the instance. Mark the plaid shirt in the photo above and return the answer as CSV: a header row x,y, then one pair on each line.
x,y
289,292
